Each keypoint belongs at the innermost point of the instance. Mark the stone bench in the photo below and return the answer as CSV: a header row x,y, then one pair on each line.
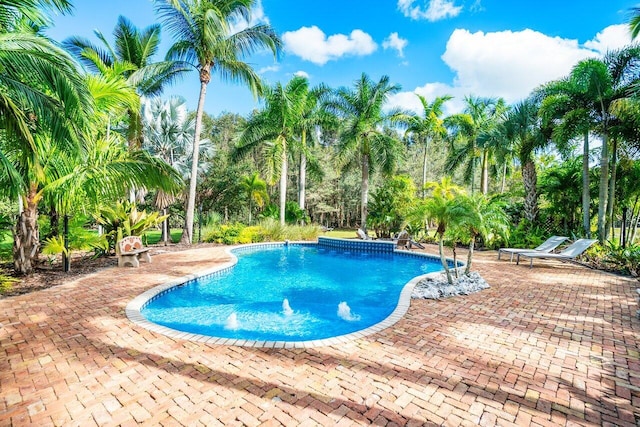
x,y
131,250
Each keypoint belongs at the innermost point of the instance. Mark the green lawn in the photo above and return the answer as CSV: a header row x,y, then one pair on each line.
x,y
153,236
344,234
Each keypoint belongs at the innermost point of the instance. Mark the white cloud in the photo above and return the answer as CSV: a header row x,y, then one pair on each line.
x,y
312,44
435,11
269,69
257,17
508,64
301,74
611,38
395,42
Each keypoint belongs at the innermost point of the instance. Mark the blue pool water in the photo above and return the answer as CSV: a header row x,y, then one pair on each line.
x,y
290,293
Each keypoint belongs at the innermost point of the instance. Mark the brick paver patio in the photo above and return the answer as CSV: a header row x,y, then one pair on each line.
x,y
554,345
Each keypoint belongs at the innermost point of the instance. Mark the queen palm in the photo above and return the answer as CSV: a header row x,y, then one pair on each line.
x,y
275,128
362,139
131,58
427,128
203,35
478,118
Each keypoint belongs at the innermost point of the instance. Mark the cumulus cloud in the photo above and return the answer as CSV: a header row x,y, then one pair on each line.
x,y
301,74
395,42
312,44
508,64
435,11
611,38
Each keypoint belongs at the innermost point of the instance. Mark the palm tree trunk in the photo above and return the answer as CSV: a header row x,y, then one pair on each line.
x,y
484,178
283,184
603,188
504,178
26,239
424,171
303,172
187,236
472,246
303,180
443,259
586,197
612,188
529,178
364,196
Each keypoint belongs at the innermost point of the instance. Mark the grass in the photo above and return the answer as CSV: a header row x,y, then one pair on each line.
x,y
153,236
344,234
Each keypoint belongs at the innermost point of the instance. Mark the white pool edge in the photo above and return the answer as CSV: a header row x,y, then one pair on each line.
x,y
134,307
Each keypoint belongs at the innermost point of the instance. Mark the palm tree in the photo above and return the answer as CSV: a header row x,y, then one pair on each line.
x,y
256,189
313,119
443,208
130,58
43,102
202,30
275,126
478,118
362,138
634,22
427,129
566,106
482,217
523,128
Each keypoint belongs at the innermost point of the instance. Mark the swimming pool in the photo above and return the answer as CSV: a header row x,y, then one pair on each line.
x,y
280,295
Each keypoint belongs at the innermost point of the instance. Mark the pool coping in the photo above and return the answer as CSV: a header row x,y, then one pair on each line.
x,y
134,307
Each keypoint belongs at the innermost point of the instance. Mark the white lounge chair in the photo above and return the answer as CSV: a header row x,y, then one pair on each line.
x,y
570,253
550,244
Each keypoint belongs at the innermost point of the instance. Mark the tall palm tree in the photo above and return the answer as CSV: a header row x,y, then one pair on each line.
x,y
275,128
202,30
313,119
427,128
523,128
478,118
256,189
566,106
131,57
362,139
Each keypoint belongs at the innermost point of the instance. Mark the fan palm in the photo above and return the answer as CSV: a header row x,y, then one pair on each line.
x,y
202,30
362,139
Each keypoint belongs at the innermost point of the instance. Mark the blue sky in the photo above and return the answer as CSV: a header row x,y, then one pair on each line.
x,y
432,47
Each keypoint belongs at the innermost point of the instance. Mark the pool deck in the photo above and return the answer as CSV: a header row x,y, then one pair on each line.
x,y
558,344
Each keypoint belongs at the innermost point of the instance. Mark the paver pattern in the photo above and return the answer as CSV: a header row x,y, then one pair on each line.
x,y
558,344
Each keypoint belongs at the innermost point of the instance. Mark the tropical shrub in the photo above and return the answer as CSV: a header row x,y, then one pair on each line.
x,y
625,259
125,219
390,205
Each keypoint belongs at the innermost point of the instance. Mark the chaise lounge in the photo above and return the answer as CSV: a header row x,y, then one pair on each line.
x,y
549,245
570,253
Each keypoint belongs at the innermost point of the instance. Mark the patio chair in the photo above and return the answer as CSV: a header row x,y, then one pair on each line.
x,y
550,244
570,253
362,235
404,241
